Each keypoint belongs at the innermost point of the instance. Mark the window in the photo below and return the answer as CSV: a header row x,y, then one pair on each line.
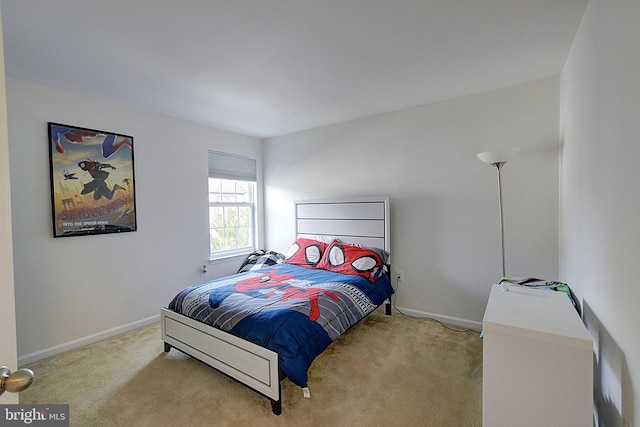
x,y
232,205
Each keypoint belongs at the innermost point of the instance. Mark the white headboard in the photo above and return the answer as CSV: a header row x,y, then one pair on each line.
x,y
363,221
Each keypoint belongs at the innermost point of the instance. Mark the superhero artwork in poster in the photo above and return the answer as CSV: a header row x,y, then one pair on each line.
x,y
92,181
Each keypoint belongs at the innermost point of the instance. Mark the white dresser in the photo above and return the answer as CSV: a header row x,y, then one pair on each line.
x,y
537,360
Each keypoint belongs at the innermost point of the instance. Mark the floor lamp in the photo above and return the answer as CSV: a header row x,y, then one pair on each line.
x,y
497,159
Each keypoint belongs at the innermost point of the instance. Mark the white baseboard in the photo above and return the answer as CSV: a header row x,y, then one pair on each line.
x,y
464,323
52,351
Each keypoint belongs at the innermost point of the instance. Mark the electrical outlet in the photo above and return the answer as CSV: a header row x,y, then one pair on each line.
x,y
400,275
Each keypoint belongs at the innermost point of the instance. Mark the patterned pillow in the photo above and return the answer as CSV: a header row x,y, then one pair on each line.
x,y
259,259
344,258
305,252
269,258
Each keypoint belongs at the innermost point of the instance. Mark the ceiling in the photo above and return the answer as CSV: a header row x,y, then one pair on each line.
x,y
267,68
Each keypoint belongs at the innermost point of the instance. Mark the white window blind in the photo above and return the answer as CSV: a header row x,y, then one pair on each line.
x,y
231,166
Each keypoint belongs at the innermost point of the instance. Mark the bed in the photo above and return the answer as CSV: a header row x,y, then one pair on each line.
x,y
263,325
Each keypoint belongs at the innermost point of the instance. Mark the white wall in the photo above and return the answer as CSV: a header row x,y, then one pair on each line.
x,y
71,288
600,220
445,232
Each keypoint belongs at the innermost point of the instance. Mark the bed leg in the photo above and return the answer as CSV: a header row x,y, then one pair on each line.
x,y
387,309
167,347
276,406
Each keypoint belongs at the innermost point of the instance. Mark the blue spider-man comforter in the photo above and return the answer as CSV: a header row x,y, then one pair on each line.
x,y
294,311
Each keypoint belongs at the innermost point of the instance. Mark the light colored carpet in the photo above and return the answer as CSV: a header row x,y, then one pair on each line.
x,y
386,371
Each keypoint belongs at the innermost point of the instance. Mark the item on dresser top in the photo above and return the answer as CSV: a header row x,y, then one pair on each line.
x,y
532,282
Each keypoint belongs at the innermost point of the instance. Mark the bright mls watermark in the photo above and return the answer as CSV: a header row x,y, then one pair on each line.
x,y
34,415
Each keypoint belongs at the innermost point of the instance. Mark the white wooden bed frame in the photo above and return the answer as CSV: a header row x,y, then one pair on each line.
x,y
364,221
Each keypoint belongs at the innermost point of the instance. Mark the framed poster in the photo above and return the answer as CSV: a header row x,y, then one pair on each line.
x,y
92,181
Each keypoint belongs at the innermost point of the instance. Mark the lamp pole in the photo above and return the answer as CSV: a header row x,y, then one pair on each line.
x,y
497,159
498,166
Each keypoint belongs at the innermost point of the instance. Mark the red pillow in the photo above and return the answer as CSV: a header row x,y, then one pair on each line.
x,y
306,253
344,258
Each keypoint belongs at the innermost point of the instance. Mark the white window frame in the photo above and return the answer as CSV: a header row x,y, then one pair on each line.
x,y
233,167
222,254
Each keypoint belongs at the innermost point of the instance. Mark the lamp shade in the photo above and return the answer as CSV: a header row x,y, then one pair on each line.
x,y
498,156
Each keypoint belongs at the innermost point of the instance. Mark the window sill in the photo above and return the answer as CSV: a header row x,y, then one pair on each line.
x,y
230,258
